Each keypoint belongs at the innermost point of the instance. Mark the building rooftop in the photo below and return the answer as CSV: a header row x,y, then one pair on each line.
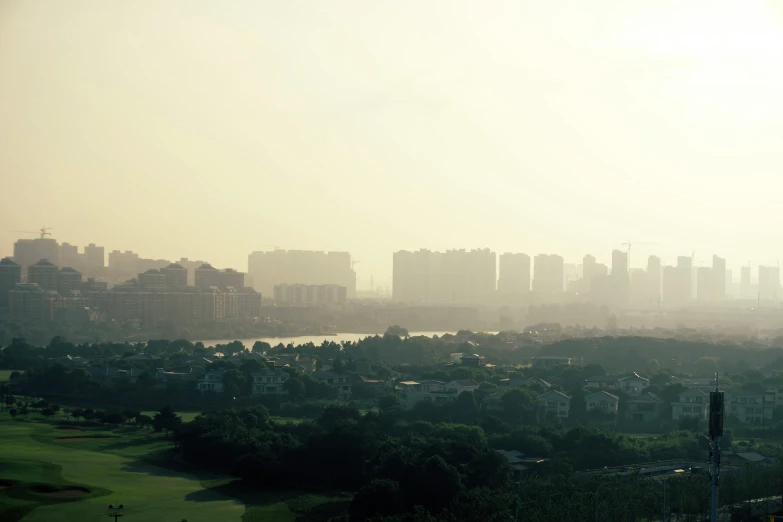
x,y
44,262
176,265
8,261
206,266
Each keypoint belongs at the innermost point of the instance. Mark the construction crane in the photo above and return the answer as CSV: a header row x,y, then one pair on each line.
x,y
44,231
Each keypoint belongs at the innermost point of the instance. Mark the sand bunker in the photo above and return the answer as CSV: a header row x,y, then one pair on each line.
x,y
5,483
49,491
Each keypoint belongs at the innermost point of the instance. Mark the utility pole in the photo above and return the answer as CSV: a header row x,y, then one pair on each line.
x,y
116,511
716,431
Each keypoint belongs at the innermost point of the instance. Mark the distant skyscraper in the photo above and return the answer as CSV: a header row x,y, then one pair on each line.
x,y
414,276
94,260
677,283
176,276
29,251
514,274
68,281
548,274
44,274
654,280
301,267
10,276
619,263
719,277
769,283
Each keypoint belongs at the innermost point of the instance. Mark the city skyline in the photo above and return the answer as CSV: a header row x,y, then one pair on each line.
x,y
569,135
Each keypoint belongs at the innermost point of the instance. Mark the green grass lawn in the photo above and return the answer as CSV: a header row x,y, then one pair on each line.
x,y
187,416
119,466
5,375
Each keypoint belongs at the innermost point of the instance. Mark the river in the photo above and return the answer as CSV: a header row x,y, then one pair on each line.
x,y
304,339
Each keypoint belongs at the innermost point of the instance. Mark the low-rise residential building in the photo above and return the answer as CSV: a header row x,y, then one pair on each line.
x,y
557,404
269,382
436,392
212,381
644,408
692,404
162,375
548,361
473,360
633,384
603,401
749,407
336,380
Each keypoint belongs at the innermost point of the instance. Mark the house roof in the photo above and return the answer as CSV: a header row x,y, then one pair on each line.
x,y
409,383
690,392
751,456
555,392
473,356
266,372
603,378
635,376
538,380
513,456
602,392
466,382
648,398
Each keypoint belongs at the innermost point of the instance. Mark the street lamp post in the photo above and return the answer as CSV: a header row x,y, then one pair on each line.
x,y
116,511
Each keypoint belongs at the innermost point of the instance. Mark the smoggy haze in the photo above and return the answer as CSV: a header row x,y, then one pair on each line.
x,y
213,129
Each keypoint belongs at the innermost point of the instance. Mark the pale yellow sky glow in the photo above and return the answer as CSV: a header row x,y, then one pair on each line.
x,y
211,129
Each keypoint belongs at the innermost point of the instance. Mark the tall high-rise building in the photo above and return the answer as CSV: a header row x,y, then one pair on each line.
x,y
68,280
654,280
69,256
466,276
10,276
414,276
548,274
719,276
231,278
176,276
677,283
268,269
206,276
152,280
769,283
44,274
514,274
29,251
619,263
94,260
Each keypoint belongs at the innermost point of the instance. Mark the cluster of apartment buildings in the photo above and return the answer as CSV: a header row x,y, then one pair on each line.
x,y
301,267
310,295
469,277
54,293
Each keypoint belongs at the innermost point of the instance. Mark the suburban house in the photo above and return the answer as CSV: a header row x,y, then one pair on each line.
x,y
603,382
462,386
212,381
473,360
269,382
557,404
335,380
161,375
644,408
109,375
692,404
494,402
745,458
749,407
548,361
603,401
633,384
520,463
436,392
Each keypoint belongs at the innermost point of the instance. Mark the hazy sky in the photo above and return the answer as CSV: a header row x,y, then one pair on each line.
x,y
211,129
